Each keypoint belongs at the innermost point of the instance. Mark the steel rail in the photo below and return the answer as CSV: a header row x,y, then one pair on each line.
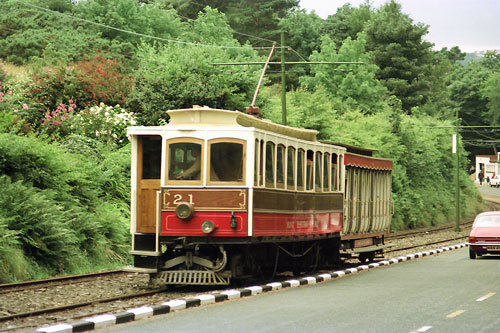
x,y
36,283
78,305
425,244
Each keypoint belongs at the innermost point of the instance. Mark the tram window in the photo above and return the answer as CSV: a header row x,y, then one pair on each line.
x,y
318,171
256,164
280,167
226,162
184,161
290,170
334,168
309,170
270,164
151,157
300,169
326,170
261,163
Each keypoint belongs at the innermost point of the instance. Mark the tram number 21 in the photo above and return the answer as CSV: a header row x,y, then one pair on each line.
x,y
178,198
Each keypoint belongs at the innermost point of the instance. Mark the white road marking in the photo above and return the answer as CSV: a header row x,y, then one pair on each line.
x,y
456,313
422,329
480,299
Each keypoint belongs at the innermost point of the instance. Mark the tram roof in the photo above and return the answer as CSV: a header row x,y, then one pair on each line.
x,y
205,116
353,149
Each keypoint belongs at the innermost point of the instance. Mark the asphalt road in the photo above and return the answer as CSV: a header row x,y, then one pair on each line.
x,y
444,293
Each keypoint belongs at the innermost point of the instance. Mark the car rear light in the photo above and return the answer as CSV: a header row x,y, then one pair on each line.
x,y
472,239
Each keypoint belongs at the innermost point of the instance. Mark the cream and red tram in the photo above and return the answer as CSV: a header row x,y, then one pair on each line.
x,y
220,195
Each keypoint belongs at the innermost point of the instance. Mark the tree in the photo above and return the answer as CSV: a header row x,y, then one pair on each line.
x,y
453,54
130,15
259,18
346,22
402,55
355,85
491,91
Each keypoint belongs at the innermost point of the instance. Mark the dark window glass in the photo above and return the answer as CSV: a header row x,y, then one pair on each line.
x,y
226,162
290,167
270,164
318,171
300,169
151,157
280,167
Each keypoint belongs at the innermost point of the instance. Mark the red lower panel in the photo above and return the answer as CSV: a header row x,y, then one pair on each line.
x,y
271,224
172,226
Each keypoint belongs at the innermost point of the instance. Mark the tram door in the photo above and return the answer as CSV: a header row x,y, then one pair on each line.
x,y
149,166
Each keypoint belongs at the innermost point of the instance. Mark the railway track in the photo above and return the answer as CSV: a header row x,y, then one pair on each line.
x,y
59,280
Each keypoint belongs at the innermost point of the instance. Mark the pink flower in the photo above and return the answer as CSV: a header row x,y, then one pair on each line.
x,y
70,101
25,106
70,109
10,92
73,105
1,94
15,110
63,118
1,99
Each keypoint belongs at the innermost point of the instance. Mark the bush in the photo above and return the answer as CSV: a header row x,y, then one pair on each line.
x,y
107,124
86,83
62,211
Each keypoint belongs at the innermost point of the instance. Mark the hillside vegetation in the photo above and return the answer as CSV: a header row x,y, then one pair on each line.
x,y
74,75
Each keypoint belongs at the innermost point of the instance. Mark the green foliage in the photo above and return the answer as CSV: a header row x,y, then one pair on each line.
x,y
346,22
303,31
130,15
491,91
354,85
62,210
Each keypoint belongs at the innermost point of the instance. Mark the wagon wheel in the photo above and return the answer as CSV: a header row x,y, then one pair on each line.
x,y
366,256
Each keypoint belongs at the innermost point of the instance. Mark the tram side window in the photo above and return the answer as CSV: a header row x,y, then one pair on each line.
x,y
309,170
290,169
151,157
318,171
269,164
256,164
326,170
300,169
280,167
184,161
261,163
335,176
226,162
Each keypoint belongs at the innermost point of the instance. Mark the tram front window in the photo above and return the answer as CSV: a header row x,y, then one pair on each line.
x,y
184,161
226,162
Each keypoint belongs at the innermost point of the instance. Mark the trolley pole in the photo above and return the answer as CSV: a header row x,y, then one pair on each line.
x,y
283,82
457,227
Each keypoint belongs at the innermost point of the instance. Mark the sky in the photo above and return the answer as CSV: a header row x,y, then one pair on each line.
x,y
472,25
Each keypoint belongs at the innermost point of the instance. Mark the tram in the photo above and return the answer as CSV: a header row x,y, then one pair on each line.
x,y
219,195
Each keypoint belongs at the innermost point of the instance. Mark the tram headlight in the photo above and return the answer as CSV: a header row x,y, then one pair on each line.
x,y
184,211
207,226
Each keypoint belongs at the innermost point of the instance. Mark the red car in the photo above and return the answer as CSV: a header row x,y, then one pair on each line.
x,y
484,236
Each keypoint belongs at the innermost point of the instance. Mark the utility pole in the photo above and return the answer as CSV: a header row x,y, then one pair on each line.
x,y
457,227
283,79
